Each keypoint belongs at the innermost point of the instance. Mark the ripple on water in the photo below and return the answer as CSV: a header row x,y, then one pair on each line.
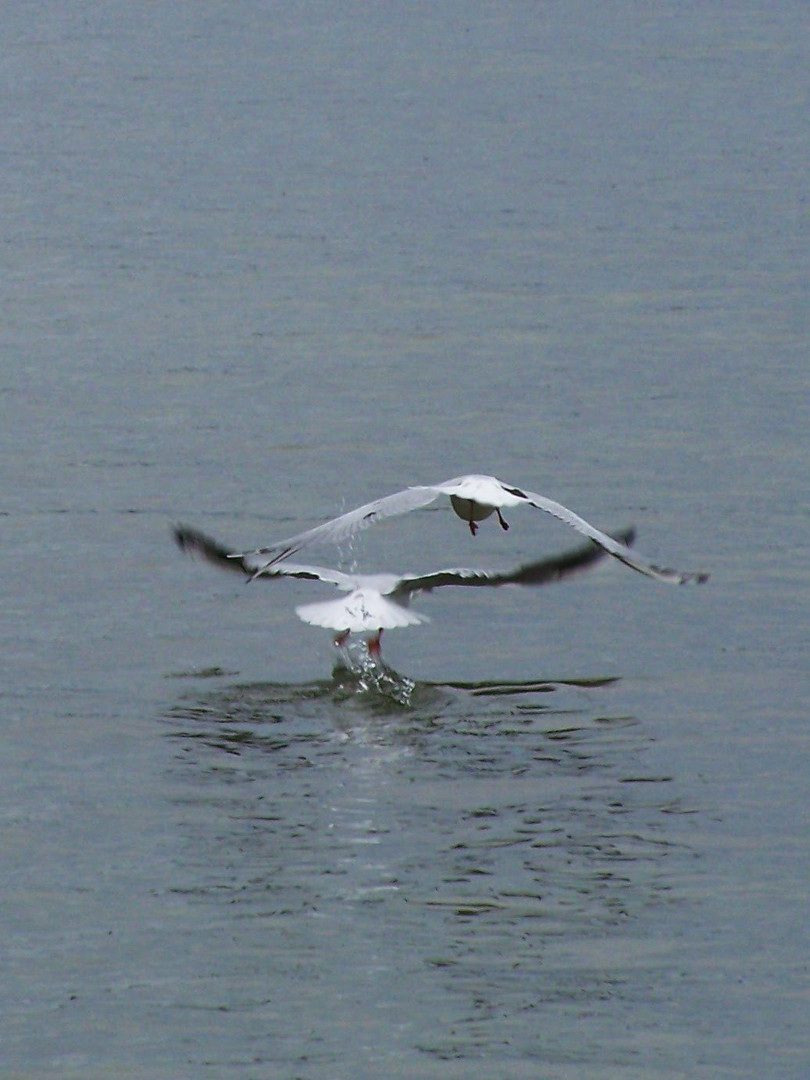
x,y
475,852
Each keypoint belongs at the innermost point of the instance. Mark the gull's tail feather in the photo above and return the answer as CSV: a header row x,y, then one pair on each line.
x,y
361,611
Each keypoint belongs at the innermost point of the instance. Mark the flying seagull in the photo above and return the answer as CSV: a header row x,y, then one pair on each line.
x,y
377,602
473,498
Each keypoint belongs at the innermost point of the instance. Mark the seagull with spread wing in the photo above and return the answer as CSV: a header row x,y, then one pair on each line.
x,y
474,498
376,602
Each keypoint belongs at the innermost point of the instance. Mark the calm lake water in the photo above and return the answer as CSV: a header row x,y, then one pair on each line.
x,y
265,262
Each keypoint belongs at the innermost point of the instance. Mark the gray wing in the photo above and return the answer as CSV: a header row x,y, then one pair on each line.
x,y
194,542
339,528
612,547
543,572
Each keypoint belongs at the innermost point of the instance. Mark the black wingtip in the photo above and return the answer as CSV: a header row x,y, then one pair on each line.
x,y
626,536
198,544
181,535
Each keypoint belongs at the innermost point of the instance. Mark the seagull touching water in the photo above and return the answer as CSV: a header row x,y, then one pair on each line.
x,y
474,498
376,602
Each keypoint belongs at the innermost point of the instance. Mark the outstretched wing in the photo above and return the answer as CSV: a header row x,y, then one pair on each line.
x,y
194,542
339,528
612,547
484,490
542,572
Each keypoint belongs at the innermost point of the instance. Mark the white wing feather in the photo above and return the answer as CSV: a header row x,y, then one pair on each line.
x,y
340,528
611,546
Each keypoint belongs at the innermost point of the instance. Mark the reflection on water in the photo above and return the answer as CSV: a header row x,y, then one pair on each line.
x,y
476,855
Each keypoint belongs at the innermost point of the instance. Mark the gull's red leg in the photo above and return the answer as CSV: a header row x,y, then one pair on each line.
x,y
504,524
341,639
374,646
473,525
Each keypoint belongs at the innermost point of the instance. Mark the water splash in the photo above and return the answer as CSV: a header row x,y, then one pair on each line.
x,y
357,671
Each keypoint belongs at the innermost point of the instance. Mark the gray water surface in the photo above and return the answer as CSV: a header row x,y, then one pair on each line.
x,y
264,263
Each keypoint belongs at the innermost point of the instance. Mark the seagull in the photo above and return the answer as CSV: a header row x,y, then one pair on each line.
x,y
377,602
474,498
